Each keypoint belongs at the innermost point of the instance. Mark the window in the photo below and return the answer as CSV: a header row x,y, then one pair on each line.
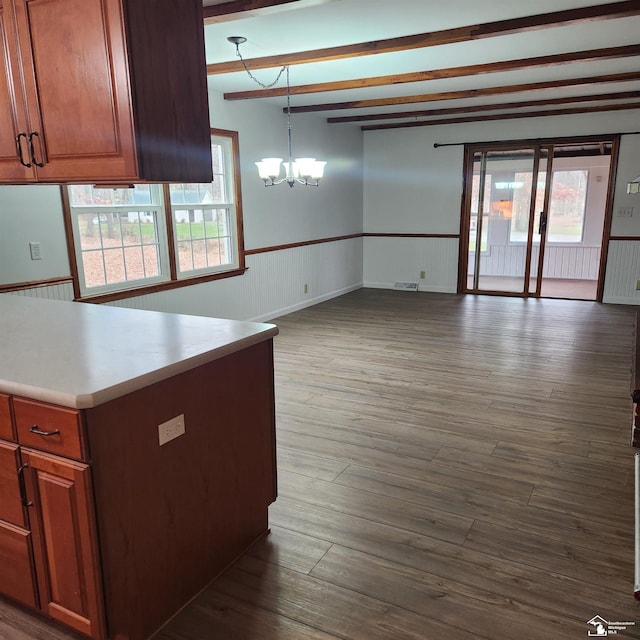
x,y
567,206
128,238
486,208
204,217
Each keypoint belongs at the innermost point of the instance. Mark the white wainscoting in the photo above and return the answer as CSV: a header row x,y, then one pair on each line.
x,y
59,291
391,259
572,263
273,285
623,270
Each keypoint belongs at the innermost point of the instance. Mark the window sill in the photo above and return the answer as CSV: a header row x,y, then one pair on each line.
x,y
158,287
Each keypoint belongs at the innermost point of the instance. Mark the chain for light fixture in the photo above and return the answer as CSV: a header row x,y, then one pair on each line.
x,y
307,171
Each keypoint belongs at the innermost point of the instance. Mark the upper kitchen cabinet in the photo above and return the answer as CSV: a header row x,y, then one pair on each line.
x,y
103,91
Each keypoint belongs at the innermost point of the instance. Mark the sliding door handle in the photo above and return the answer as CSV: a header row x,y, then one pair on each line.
x,y
543,223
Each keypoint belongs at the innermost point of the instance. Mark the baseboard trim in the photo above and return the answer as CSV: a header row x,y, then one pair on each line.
x,y
421,287
305,303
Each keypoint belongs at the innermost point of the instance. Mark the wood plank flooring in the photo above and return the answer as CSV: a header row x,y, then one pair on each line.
x,y
449,467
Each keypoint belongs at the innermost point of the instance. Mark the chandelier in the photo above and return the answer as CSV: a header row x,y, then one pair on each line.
x,y
307,171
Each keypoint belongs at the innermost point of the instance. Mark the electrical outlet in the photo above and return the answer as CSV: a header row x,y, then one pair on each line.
x,y
34,248
306,289
171,429
423,275
625,212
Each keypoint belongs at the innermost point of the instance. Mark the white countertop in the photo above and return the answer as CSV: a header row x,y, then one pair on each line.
x,y
80,355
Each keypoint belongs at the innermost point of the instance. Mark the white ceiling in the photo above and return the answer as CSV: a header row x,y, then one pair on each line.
x,y
314,24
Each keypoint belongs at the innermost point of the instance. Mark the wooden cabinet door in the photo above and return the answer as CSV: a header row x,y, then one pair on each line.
x,y
14,128
74,63
16,560
64,541
10,502
17,578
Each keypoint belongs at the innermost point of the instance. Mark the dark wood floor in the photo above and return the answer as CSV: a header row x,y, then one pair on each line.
x,y
449,467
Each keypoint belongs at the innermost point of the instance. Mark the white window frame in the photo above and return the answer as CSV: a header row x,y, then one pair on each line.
x,y
156,207
170,275
229,205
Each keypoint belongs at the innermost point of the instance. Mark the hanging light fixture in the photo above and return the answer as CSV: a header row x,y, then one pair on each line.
x,y
307,171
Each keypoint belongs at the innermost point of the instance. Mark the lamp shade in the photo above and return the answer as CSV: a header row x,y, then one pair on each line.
x,y
310,168
269,168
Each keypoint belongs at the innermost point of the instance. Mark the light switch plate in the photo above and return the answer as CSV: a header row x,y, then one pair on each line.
x,y
171,429
34,249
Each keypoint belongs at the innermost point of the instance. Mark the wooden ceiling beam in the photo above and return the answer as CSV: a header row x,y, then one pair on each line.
x,y
470,93
239,6
425,113
435,38
590,55
503,116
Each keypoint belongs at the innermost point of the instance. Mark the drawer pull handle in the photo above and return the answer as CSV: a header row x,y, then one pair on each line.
x,y
23,489
40,432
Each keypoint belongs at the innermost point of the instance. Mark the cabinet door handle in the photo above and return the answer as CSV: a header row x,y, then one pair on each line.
x,y
32,150
23,489
22,134
35,429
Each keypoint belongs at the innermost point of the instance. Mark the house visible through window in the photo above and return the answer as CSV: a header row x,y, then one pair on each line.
x,y
204,216
159,235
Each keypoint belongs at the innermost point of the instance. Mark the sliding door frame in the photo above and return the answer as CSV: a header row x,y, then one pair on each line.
x,y
471,149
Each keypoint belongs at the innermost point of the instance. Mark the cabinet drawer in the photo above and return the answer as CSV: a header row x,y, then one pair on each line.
x,y
10,501
6,430
49,428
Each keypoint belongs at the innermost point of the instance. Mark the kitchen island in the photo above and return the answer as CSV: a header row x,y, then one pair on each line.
x,y
137,458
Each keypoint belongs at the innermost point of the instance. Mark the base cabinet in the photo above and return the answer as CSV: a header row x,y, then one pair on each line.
x,y
121,532
64,541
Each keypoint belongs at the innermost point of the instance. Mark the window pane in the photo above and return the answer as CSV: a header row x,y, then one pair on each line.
x,y
519,231
191,193
567,206
486,207
85,195
203,238
118,247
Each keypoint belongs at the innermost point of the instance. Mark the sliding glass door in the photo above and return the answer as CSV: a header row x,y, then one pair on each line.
x,y
520,201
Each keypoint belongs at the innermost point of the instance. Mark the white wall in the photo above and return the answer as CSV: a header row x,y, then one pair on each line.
x,y
282,215
31,214
412,188
623,260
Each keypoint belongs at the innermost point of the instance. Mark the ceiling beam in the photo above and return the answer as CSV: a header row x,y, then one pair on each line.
x,y
469,93
446,36
425,113
591,55
239,6
503,116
